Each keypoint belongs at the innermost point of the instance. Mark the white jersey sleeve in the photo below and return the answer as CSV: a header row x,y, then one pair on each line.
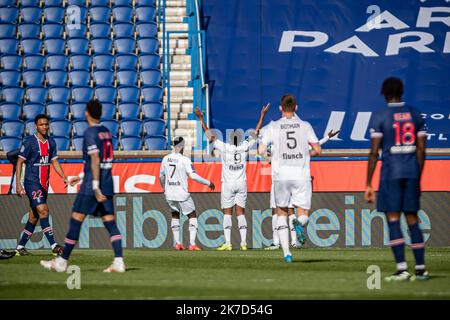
x,y
312,138
219,145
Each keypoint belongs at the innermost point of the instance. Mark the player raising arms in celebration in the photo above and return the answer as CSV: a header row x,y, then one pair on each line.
x,y
37,152
174,172
290,138
234,179
96,192
400,132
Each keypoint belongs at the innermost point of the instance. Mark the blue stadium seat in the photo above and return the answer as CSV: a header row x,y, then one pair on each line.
x,y
122,13
34,62
57,110
103,62
152,93
33,77
103,78
156,142
77,111
76,15
99,13
48,3
145,13
78,45
62,143
8,46
80,62
61,128
59,94
10,111
76,31
79,77
131,143
76,3
13,128
31,14
54,45
112,125
54,14
7,30
99,3
146,29
10,143
82,94
56,78
77,142
12,94
36,94
31,110
101,45
145,3
122,2
29,3
31,46
124,45
129,110
128,94
9,14
29,30
53,30
131,127
127,77
123,30
105,94
126,61
10,78
148,45
154,127
100,30
11,62
79,127
108,111
57,62
153,110
30,127
150,77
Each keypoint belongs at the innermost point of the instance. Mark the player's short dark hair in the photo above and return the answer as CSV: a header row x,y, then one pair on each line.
x,y
94,108
392,88
178,141
288,103
39,117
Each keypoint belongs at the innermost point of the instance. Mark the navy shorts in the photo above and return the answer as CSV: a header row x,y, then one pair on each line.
x,y
36,194
399,195
88,205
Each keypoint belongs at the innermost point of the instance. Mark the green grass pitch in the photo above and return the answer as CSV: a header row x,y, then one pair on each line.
x,y
253,274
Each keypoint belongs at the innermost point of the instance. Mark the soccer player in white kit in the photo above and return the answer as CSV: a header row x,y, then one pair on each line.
x,y
290,138
174,172
234,179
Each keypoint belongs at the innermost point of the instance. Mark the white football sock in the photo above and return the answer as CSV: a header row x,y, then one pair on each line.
x,y
303,219
175,225
118,260
242,223
292,229
276,238
283,233
193,225
227,228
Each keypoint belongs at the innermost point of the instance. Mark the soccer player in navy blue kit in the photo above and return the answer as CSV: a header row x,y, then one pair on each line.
x,y
96,192
400,131
38,151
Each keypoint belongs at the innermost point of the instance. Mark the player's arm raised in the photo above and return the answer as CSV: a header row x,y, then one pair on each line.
x,y
375,143
205,128
95,167
324,140
19,189
59,170
261,118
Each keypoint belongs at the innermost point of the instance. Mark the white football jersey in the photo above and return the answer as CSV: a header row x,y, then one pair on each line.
x,y
177,168
234,159
289,140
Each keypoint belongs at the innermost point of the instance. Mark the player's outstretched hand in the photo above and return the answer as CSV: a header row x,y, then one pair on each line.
x,y
99,195
331,134
65,182
369,194
265,108
74,181
212,186
198,113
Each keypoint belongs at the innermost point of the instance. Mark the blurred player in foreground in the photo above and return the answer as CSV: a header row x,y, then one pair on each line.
x,y
37,152
400,132
96,192
234,179
174,172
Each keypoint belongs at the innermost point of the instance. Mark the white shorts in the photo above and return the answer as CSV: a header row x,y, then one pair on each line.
x,y
273,205
233,193
185,207
293,192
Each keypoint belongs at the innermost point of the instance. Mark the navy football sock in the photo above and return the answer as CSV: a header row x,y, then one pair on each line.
x,y
116,238
48,231
71,238
27,233
418,246
397,244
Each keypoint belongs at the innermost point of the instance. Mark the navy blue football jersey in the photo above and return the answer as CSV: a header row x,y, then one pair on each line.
x,y
399,125
98,139
37,155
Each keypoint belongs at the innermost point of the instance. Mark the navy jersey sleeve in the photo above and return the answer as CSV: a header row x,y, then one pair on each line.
x,y
53,150
91,142
376,126
25,149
